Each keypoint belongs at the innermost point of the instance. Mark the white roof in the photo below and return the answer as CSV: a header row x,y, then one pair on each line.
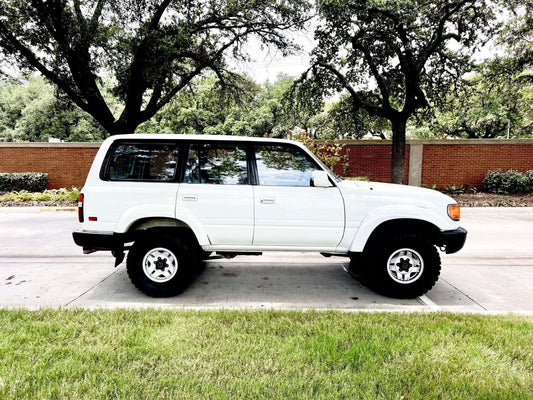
x,y
221,138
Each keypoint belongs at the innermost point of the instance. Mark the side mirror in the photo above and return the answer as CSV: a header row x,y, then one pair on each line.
x,y
321,179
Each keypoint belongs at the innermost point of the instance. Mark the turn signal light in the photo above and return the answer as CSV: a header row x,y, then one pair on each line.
x,y
454,212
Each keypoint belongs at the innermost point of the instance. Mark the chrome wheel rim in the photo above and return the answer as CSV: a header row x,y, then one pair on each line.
x,y
160,265
405,266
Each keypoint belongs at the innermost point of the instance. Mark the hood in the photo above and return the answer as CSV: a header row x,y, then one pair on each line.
x,y
394,193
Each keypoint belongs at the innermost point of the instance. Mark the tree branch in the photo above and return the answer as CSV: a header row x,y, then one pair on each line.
x,y
371,108
32,59
438,36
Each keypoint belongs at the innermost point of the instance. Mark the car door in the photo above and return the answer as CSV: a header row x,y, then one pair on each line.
x,y
289,211
216,191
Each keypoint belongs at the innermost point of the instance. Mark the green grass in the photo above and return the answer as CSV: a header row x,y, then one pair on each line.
x,y
164,354
49,195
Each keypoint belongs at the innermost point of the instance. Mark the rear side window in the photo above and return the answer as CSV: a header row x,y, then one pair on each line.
x,y
142,162
216,163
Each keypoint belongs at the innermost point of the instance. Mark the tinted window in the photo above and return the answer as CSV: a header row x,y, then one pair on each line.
x,y
143,162
283,165
216,163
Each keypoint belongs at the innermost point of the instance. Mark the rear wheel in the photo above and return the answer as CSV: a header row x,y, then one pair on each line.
x,y
405,266
160,266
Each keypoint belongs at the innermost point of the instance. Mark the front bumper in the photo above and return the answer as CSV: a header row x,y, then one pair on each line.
x,y
452,241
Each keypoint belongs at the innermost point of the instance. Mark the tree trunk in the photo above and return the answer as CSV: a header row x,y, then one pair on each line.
x,y
121,127
398,151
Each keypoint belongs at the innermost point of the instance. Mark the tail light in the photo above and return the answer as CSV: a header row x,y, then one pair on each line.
x,y
80,207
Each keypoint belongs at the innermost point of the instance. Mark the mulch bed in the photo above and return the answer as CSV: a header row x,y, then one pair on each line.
x,y
493,200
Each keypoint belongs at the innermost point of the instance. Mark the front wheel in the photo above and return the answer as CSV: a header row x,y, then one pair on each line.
x,y
160,266
406,266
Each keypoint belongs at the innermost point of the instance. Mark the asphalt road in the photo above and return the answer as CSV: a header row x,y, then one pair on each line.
x,y
40,266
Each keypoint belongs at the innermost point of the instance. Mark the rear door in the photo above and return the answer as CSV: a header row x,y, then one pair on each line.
x,y
216,191
289,211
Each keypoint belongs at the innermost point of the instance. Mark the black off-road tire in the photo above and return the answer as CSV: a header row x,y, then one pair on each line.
x,y
161,265
402,266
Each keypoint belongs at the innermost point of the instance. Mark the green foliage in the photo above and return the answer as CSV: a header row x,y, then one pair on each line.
x,y
207,107
48,195
247,110
509,182
147,50
459,189
494,102
32,111
30,181
358,178
392,57
341,120
517,33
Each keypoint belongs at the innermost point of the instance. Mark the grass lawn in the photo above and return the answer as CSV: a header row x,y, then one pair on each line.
x,y
175,354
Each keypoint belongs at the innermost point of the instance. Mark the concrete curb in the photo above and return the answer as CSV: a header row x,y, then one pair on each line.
x,y
58,209
35,210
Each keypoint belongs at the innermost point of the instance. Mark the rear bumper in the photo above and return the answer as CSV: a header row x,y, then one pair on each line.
x,y
453,241
98,240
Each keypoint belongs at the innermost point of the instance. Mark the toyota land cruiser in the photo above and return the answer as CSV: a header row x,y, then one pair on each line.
x,y
172,200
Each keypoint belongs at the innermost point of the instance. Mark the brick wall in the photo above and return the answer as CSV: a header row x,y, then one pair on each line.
x,y
372,159
66,164
466,162
451,162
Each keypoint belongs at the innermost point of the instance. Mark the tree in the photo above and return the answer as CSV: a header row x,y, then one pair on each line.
x,y
394,57
349,124
517,34
152,49
493,102
31,112
207,107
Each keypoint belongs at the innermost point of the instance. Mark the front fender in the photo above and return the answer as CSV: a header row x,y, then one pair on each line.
x,y
391,212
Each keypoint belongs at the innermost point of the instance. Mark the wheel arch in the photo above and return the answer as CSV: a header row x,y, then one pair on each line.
x,y
396,226
152,225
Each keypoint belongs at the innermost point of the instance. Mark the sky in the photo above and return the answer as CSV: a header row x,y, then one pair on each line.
x,y
268,63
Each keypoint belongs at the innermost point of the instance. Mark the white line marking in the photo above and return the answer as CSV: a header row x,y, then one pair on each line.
x,y
428,302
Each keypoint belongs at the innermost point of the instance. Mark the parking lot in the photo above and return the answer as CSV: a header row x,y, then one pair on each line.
x,y
41,266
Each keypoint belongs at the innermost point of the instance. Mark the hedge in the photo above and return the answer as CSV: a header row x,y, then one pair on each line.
x,y
16,181
509,182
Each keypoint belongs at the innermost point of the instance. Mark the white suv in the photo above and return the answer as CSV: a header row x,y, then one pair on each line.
x,y
172,200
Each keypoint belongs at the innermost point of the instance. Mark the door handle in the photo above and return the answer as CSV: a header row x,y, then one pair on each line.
x,y
268,201
190,197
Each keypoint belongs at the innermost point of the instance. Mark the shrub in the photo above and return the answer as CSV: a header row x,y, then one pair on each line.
x,y
50,195
529,181
17,181
509,182
493,181
459,189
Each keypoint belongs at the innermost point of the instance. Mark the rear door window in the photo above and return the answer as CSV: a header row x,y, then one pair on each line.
x,y
142,162
216,163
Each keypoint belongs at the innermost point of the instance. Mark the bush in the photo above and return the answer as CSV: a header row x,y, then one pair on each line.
x,y
17,181
529,181
49,195
509,182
